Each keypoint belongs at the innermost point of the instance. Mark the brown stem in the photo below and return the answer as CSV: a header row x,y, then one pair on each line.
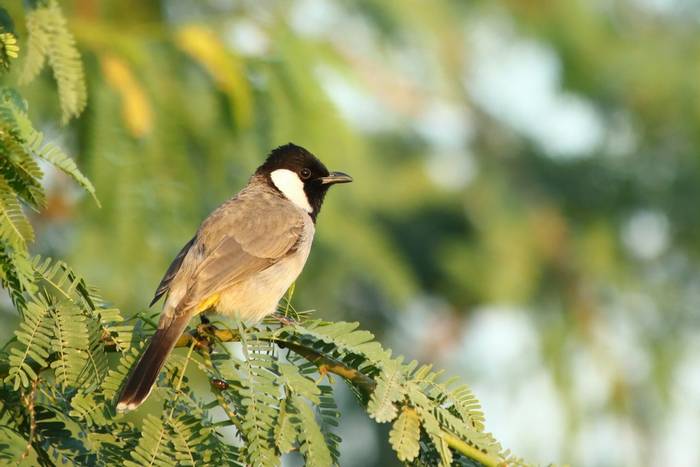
x,y
331,365
28,400
328,364
200,340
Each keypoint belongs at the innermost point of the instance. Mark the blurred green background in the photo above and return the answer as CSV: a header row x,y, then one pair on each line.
x,y
525,205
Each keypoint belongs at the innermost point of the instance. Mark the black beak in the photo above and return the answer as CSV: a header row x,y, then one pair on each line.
x,y
335,177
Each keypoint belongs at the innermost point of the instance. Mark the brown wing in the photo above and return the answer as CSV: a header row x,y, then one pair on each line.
x,y
173,269
246,235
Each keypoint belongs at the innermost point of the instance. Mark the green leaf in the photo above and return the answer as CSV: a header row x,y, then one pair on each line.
x,y
89,408
329,415
71,345
50,40
389,389
12,446
405,435
15,228
8,49
19,168
17,276
300,384
254,394
112,324
189,437
33,141
34,338
117,375
286,430
468,406
38,40
153,446
346,337
313,444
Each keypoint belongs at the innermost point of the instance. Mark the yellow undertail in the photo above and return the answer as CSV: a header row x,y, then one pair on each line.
x,y
207,304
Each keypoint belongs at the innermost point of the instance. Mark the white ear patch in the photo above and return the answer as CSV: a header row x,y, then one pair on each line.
x,y
291,187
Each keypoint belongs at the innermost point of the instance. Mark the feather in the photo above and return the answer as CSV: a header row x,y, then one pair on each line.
x,y
169,275
140,383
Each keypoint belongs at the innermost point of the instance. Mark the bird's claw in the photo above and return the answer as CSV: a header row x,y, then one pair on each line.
x,y
204,334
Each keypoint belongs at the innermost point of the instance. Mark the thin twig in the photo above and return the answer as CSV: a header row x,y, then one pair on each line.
x,y
331,365
178,385
218,386
471,452
199,341
28,400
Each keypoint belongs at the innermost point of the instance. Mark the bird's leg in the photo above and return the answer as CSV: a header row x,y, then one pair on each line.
x,y
206,328
205,332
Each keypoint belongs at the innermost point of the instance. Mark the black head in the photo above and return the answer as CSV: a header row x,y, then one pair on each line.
x,y
300,176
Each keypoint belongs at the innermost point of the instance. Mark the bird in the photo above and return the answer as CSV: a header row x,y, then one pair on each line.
x,y
242,259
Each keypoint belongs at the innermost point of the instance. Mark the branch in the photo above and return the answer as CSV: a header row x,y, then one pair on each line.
x,y
199,336
471,452
28,400
328,364
199,339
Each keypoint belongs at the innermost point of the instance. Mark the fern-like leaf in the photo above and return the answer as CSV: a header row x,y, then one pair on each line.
x,y
345,336
34,336
17,276
313,443
189,439
113,326
468,406
20,169
12,446
117,375
329,416
38,40
153,447
302,385
33,141
71,344
59,159
50,40
286,433
389,390
95,357
90,408
68,287
252,398
259,393
405,435
15,228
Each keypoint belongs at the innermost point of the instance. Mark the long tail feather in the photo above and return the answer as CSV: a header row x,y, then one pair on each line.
x,y
143,377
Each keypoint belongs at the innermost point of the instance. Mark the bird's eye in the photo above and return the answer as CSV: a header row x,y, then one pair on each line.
x,y
305,173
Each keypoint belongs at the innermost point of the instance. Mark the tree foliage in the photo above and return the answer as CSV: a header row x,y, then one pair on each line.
x,y
50,41
62,371
594,253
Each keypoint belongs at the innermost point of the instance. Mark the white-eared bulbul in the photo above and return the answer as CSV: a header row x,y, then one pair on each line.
x,y
242,259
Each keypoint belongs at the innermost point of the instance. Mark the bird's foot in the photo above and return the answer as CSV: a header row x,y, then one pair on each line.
x,y
204,334
206,330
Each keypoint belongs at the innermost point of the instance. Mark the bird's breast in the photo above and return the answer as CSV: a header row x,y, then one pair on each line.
x,y
258,295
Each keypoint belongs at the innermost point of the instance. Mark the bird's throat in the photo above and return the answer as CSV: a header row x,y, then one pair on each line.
x,y
291,186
